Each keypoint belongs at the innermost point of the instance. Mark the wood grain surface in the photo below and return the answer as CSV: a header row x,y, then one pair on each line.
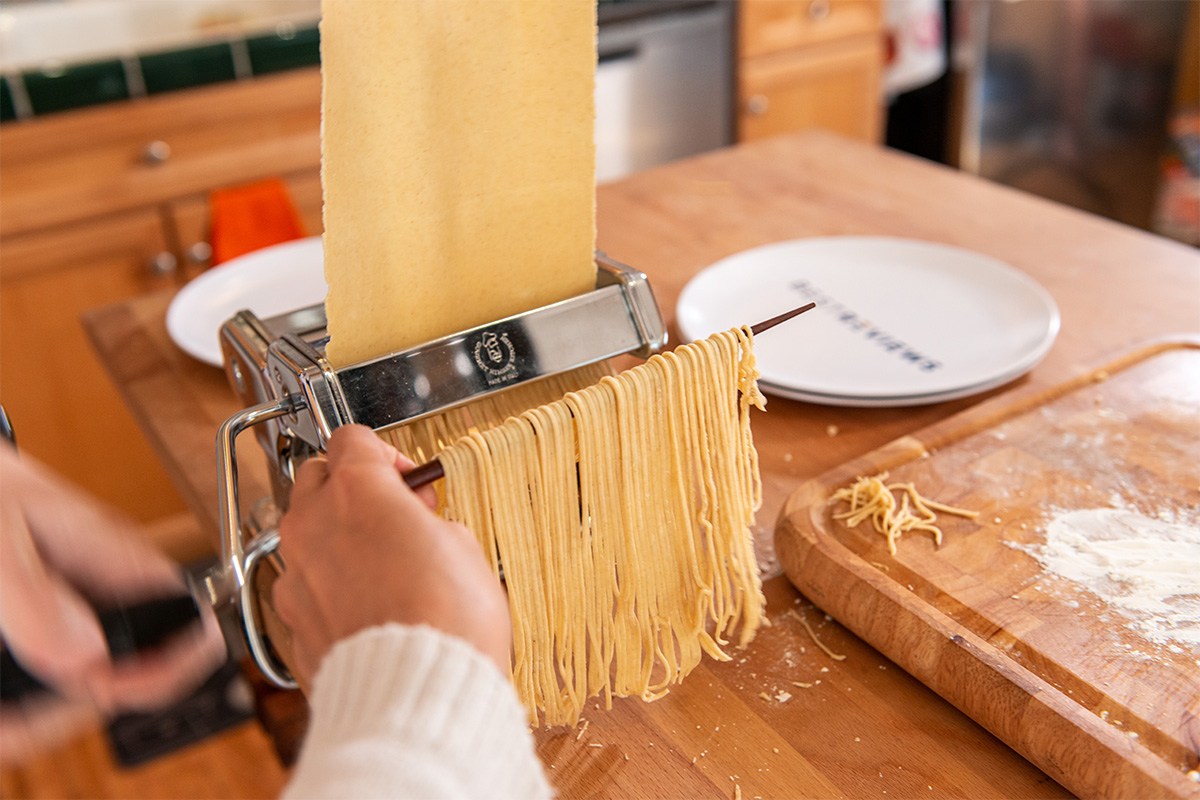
x,y
1106,708
238,763
1115,287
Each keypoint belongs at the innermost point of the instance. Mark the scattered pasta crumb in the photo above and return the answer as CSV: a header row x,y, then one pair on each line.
x,y
582,728
595,744
874,499
831,430
802,684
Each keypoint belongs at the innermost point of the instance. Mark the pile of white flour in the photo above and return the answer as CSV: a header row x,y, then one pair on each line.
x,y
1146,568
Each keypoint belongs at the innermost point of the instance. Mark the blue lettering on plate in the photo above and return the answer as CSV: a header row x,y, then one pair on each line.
x,y
861,325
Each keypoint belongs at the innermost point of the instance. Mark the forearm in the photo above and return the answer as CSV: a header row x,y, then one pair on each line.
x,y
402,711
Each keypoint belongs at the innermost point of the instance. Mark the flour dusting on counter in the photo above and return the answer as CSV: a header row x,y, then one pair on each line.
x,y
1144,567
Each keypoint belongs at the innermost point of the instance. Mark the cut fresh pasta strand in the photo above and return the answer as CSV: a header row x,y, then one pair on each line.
x,y
813,635
424,438
874,499
622,516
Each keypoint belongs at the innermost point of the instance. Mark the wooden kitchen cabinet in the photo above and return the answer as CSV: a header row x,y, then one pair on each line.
x,y
62,168
107,203
63,406
810,63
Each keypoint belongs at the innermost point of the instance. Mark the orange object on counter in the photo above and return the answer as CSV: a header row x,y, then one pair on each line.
x,y
250,217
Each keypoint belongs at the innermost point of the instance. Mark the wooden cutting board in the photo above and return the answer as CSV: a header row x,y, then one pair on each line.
x,y
1060,673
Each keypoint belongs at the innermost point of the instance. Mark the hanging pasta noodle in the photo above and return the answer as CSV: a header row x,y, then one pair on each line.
x,y
621,514
424,438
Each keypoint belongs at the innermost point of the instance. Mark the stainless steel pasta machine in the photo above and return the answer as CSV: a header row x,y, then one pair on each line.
x,y
295,399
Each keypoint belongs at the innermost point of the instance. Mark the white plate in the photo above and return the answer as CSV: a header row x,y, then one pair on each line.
x,y
898,321
270,281
885,402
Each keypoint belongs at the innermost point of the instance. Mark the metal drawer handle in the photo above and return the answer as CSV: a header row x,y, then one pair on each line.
x,y
200,253
163,264
757,104
157,152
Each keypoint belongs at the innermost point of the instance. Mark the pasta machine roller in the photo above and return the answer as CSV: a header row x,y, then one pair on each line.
x,y
296,398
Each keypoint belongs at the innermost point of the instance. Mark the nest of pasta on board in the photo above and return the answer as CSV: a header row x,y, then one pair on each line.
x,y
621,513
873,498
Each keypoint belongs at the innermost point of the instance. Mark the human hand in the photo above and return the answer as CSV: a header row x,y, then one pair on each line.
x,y
362,549
61,552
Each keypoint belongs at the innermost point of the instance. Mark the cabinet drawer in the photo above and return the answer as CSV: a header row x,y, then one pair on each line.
x,y
836,88
771,26
75,165
133,239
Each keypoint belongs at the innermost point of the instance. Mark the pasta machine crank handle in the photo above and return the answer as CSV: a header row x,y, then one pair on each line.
x,y
432,470
233,581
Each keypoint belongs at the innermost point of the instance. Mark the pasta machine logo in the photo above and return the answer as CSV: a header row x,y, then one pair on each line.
x,y
497,357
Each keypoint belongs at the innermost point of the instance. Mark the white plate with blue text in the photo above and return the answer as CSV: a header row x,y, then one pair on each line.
x,y
898,321
269,282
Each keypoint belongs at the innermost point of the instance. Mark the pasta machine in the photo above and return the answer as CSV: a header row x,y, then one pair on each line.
x,y
295,399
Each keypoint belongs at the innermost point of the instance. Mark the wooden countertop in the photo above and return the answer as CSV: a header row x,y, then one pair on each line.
x,y
781,719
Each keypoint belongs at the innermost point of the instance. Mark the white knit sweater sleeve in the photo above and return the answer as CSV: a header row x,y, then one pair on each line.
x,y
403,711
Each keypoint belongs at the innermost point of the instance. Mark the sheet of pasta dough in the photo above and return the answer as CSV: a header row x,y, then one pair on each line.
x,y
457,163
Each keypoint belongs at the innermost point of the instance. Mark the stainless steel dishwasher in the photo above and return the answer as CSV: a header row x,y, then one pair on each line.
x,y
664,84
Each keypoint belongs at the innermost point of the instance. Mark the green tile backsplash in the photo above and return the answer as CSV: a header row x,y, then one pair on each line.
x,y
78,85
288,48
182,69
7,109
75,86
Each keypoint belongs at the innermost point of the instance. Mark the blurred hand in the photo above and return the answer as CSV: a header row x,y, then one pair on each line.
x,y
362,549
59,546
